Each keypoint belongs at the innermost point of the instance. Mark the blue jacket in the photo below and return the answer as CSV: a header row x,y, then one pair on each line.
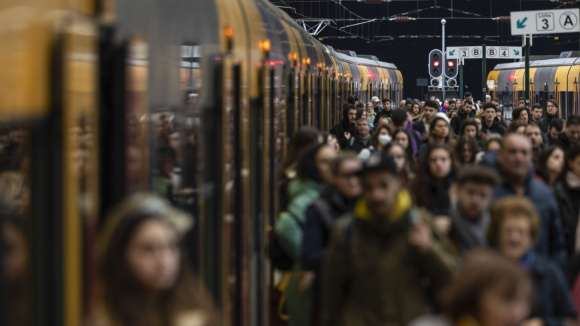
x,y
552,302
551,241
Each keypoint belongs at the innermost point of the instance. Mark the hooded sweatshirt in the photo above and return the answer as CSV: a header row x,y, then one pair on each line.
x,y
495,128
344,126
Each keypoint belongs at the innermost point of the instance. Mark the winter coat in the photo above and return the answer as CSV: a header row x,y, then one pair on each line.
x,y
569,204
544,123
383,114
552,301
495,128
562,141
373,277
320,218
551,241
344,126
290,236
458,119
355,144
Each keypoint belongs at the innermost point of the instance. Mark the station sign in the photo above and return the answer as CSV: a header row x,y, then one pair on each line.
x,y
476,52
545,21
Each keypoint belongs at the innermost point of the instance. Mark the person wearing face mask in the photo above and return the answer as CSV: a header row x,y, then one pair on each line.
x,y
336,199
552,113
431,185
514,164
514,229
381,137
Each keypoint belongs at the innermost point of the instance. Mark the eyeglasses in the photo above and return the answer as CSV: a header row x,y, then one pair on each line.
x,y
551,106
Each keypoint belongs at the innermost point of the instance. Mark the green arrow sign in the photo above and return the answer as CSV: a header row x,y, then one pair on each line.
x,y
521,23
452,52
516,52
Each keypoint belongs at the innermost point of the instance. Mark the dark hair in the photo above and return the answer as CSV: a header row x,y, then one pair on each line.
x,y
571,155
541,166
471,142
554,102
556,123
409,160
468,102
306,169
406,132
420,109
448,140
468,122
467,94
431,104
537,106
482,269
573,120
351,99
478,175
421,193
493,138
495,99
521,99
518,111
377,132
399,117
359,112
124,298
302,139
514,127
489,105
360,105
386,100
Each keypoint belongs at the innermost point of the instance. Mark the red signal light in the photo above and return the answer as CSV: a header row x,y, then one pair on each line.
x,y
450,63
436,64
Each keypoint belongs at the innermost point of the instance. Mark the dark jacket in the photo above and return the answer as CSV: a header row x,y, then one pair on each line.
x,y
458,119
355,144
383,114
562,141
344,126
419,126
320,218
373,277
544,123
551,241
495,128
569,204
552,302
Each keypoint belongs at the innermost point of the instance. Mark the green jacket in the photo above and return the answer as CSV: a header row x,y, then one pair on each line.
x,y
302,194
373,276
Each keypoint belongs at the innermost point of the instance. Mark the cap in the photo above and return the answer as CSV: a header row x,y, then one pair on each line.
x,y
375,99
379,161
409,101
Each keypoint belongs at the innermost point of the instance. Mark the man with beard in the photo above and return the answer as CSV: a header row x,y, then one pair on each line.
x,y
536,114
513,163
430,109
345,129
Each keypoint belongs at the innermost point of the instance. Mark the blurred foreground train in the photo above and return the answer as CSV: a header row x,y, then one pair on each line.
x,y
551,77
193,99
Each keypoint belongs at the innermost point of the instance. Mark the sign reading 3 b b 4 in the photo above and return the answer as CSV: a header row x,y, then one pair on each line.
x,y
545,21
491,52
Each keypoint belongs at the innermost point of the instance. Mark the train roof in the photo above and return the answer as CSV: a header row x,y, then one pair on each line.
x,y
539,63
362,60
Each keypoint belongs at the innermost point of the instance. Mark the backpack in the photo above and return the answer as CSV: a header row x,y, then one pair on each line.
x,y
279,258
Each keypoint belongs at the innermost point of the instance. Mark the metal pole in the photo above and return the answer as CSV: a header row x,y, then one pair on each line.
x,y
443,61
527,72
483,73
461,78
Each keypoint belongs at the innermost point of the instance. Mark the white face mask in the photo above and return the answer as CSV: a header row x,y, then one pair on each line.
x,y
384,139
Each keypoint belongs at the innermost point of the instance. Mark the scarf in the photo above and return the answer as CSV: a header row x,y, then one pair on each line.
x,y
471,233
573,182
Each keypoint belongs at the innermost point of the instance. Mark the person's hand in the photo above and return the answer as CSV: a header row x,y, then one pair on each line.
x,y
305,279
420,237
347,135
443,223
533,322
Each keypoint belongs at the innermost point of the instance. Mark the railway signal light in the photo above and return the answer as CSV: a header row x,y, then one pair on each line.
x,y
435,61
451,68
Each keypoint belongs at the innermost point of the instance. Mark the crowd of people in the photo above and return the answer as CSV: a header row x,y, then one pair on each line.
x,y
431,214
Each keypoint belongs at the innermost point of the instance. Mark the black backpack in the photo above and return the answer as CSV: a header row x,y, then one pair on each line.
x,y
279,258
